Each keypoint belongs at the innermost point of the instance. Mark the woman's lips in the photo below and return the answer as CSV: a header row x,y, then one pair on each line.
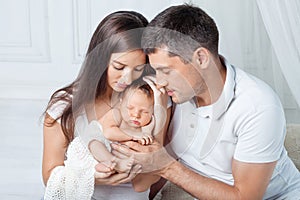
x,y
122,85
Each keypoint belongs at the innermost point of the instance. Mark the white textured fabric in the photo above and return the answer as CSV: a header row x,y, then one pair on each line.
x,y
75,180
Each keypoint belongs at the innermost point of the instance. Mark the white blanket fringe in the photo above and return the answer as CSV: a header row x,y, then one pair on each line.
x,y
75,180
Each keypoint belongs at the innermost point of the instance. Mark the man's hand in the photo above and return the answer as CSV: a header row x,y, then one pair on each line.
x,y
153,158
105,176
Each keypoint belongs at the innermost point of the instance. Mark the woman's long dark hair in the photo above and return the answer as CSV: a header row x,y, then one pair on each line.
x,y
118,32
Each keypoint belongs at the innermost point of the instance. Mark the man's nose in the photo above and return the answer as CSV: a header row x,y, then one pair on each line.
x,y
160,81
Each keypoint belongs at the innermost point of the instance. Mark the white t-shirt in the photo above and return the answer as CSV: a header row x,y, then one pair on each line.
x,y
247,123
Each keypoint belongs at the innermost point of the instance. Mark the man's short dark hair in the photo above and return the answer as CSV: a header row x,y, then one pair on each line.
x,y
182,29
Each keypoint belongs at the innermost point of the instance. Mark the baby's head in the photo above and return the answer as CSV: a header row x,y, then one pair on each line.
x,y
137,104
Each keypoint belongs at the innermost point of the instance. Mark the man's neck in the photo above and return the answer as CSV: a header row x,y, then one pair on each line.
x,y
215,85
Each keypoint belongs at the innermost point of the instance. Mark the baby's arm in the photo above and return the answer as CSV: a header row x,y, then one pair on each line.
x,y
111,123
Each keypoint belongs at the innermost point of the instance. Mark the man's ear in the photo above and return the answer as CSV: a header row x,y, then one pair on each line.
x,y
201,57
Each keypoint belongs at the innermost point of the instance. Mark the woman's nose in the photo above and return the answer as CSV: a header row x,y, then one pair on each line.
x,y
127,77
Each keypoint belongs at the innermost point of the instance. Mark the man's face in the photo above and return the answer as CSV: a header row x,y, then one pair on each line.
x,y
181,81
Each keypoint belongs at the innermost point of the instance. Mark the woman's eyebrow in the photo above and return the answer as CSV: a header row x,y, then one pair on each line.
x,y
115,61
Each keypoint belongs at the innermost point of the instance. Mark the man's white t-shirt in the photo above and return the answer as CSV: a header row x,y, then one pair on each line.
x,y
247,123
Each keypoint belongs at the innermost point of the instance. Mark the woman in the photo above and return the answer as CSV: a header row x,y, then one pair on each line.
x,y
114,59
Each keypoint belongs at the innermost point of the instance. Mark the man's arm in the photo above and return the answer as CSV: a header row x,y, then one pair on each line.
x,y
250,179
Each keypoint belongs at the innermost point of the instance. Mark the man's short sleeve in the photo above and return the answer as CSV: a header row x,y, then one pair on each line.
x,y
262,136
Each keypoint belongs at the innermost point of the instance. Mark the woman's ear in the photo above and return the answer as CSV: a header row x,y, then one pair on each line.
x,y
201,57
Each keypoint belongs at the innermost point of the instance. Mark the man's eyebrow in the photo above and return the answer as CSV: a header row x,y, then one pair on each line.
x,y
161,67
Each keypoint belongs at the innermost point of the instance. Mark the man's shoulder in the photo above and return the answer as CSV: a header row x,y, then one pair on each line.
x,y
253,91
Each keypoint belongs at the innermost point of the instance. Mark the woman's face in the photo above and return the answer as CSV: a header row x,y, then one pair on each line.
x,y
124,68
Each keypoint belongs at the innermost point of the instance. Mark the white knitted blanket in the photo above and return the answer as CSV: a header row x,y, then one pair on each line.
x,y
75,180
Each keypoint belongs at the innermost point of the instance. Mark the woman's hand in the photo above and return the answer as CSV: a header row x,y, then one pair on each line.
x,y
105,176
160,96
160,105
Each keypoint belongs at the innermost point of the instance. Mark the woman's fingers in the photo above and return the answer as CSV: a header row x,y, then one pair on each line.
x,y
162,90
120,178
101,175
151,78
150,83
134,171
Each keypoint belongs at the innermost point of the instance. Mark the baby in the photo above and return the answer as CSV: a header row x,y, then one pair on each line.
x,y
132,120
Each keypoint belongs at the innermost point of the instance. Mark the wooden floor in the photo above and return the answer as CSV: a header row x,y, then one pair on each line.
x,y
21,149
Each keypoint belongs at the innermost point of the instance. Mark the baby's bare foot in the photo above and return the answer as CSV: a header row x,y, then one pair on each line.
x,y
123,165
109,164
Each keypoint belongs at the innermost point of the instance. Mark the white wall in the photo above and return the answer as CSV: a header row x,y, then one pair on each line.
x,y
43,42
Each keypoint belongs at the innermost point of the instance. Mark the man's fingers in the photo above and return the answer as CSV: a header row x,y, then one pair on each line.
x,y
122,149
133,145
118,154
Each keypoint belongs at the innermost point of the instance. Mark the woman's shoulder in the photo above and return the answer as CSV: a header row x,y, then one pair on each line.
x,y
59,102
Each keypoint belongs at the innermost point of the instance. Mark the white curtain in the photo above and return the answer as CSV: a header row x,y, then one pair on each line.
x,y
282,22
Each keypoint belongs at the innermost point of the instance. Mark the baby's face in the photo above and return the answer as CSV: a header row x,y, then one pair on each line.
x,y
137,108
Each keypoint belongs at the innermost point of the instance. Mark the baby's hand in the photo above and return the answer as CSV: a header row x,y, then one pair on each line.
x,y
145,139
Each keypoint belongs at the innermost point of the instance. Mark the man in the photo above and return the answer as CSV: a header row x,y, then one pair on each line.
x,y
228,127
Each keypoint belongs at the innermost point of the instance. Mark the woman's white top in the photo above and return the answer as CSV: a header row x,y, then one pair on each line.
x,y
122,191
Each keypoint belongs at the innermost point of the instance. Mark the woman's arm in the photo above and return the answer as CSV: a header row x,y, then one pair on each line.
x,y
54,150
54,147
